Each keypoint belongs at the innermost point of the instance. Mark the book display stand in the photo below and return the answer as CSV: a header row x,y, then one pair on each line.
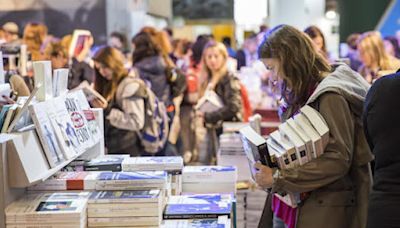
x,y
23,163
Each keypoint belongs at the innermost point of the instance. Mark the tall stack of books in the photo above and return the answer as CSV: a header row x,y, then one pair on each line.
x,y
255,200
53,210
209,179
231,153
199,206
125,208
172,165
241,208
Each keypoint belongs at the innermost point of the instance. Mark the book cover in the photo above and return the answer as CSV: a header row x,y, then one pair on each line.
x,y
46,132
151,176
79,37
60,81
255,147
198,206
209,174
167,163
304,137
143,196
106,163
300,157
318,122
303,122
3,114
195,223
79,121
43,77
210,102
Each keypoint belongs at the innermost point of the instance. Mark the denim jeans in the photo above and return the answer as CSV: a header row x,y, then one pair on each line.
x,y
278,223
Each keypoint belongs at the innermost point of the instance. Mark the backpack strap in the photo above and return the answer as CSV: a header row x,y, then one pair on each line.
x,y
138,89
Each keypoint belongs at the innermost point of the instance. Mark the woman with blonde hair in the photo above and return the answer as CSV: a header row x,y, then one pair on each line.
x,y
374,57
34,36
333,188
124,114
216,77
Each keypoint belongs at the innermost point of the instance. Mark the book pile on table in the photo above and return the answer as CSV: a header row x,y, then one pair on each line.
x,y
255,200
231,153
125,208
209,179
199,206
63,181
58,210
241,208
172,165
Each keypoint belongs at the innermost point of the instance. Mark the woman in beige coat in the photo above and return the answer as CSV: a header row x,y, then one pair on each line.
x,y
334,187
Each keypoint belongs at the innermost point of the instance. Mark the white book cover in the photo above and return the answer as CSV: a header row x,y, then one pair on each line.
x,y
79,121
304,137
167,163
5,90
210,102
125,197
305,124
317,122
60,81
42,75
46,132
89,115
291,136
209,174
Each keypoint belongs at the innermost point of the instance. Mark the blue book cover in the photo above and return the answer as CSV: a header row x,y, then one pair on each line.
x,y
198,206
160,160
208,169
132,194
145,175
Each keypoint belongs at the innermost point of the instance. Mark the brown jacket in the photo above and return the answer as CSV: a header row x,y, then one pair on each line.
x,y
338,181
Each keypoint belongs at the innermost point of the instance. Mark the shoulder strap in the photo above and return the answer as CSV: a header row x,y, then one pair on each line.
x,y
141,92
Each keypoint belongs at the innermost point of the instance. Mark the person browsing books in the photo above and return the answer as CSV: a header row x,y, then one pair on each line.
x,y
124,114
224,85
333,187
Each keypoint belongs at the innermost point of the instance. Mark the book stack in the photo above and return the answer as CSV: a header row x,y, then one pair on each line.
x,y
172,165
198,206
220,222
241,208
121,181
105,163
49,210
125,208
209,179
231,153
63,181
255,200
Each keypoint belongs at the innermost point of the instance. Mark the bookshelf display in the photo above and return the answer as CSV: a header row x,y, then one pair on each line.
x,y
23,163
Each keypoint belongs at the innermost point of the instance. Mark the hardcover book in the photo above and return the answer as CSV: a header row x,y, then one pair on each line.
x,y
43,77
198,206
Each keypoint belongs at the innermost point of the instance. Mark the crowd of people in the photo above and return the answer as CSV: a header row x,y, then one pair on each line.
x,y
172,75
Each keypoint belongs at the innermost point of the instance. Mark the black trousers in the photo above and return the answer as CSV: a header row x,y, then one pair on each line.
x,y
384,210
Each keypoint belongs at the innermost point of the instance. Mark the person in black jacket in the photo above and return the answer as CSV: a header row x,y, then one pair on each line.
x,y
225,84
381,126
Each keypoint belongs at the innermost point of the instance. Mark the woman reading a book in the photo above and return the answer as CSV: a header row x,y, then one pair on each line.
x,y
225,85
124,114
333,188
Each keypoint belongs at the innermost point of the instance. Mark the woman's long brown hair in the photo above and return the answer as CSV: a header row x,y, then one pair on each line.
x,y
301,65
111,58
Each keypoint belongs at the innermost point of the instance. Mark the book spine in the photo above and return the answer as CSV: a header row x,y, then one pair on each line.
x,y
193,216
110,167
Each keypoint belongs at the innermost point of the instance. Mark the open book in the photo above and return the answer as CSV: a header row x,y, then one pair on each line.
x,y
90,92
